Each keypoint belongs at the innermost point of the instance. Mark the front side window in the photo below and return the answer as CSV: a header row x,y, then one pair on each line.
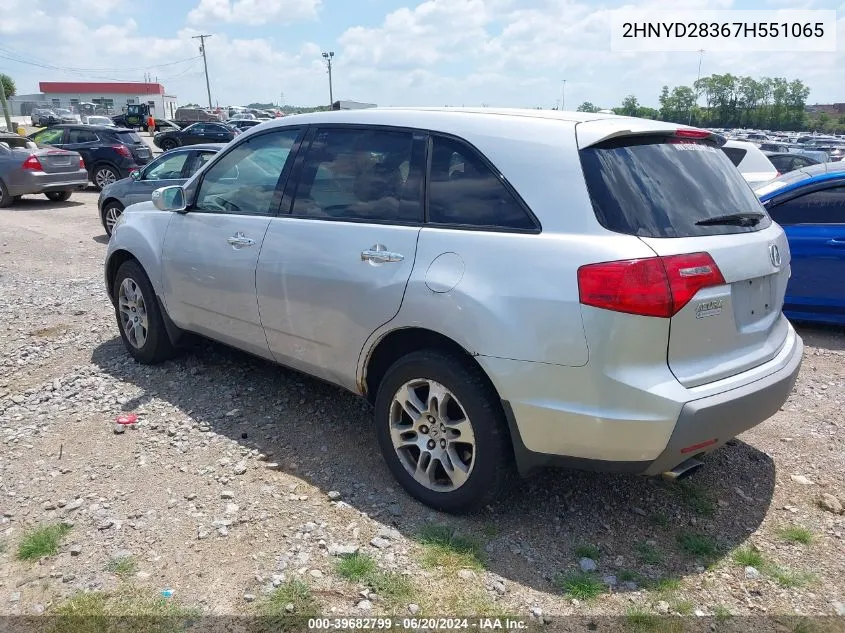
x,y
245,180
166,167
47,137
826,206
359,173
201,159
464,190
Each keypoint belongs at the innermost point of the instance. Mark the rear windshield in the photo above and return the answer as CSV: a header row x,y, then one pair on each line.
x,y
130,138
659,187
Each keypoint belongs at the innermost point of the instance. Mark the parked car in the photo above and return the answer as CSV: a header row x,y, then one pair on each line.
x,y
416,257
67,116
243,124
110,153
751,162
171,168
810,206
41,117
98,120
27,169
785,162
196,133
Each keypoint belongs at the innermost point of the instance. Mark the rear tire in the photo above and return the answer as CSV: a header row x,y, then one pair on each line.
x,y
139,317
5,199
456,457
104,175
58,196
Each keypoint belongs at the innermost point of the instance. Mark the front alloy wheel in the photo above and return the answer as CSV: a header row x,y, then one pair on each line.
x,y
432,435
133,313
110,215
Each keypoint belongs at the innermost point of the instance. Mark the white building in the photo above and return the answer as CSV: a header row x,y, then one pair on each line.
x,y
111,96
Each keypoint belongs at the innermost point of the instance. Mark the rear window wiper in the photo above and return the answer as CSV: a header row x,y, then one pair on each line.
x,y
738,219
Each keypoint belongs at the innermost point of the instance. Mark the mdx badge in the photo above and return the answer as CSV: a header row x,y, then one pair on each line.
x,y
774,255
708,309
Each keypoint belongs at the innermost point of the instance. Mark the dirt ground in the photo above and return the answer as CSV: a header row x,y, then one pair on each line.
x,y
243,477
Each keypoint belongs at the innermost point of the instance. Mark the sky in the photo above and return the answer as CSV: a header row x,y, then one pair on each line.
x,y
507,53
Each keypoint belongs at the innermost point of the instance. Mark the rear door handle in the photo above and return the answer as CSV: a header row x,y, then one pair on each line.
x,y
378,254
239,240
837,243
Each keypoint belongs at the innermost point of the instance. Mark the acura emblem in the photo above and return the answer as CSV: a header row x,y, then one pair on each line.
x,y
774,255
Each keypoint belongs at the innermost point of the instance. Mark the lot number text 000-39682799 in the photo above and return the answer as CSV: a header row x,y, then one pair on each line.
x,y
723,30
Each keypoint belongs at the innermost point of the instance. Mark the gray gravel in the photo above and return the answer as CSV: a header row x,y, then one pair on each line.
x,y
240,475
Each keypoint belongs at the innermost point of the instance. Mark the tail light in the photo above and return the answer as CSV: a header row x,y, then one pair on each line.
x,y
81,163
685,133
32,163
122,150
654,286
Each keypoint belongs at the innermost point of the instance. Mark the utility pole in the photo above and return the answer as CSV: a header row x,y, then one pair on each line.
x,y
563,95
328,57
5,107
201,38
695,85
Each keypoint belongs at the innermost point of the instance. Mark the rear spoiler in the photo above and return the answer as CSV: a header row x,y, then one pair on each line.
x,y
589,133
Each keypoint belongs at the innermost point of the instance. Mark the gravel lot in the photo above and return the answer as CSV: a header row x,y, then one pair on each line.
x,y
242,476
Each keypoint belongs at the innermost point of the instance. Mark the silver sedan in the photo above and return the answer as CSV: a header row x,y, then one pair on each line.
x,y
26,168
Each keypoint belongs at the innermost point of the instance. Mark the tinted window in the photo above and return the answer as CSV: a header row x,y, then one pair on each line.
x,y
652,187
81,136
196,128
736,154
244,181
359,173
464,190
130,138
167,167
49,136
826,206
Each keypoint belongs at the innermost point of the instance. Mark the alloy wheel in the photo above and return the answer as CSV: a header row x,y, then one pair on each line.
x,y
432,435
133,313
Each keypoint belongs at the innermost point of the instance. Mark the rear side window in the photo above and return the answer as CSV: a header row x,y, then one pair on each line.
x,y
736,154
464,190
81,136
826,206
659,187
130,138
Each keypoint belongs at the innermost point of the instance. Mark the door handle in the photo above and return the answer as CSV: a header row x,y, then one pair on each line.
x,y
838,243
378,254
239,240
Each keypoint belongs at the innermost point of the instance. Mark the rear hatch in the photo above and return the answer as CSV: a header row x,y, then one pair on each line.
x,y
140,151
726,263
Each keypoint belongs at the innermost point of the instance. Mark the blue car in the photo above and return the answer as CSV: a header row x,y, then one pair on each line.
x,y
809,204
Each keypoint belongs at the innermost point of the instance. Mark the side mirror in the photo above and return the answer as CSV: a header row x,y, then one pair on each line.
x,y
170,199
135,175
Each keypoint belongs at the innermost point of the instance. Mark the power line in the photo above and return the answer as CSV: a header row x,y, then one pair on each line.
x,y
35,61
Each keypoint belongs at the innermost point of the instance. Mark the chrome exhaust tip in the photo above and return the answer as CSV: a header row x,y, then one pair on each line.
x,y
682,470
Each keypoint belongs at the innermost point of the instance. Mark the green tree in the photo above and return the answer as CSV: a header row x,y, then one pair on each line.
x,y
588,107
8,85
647,113
630,106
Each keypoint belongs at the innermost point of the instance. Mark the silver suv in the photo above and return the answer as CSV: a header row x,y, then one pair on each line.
x,y
507,288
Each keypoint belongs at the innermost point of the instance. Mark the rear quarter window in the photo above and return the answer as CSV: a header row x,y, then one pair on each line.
x,y
660,187
130,138
735,154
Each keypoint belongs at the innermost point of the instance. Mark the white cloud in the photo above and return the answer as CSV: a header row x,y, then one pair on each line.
x,y
253,12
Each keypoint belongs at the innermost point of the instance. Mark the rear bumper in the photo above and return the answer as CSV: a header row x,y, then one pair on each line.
x,y
557,418
34,182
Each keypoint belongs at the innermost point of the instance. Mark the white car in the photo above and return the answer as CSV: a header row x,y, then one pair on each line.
x,y
752,163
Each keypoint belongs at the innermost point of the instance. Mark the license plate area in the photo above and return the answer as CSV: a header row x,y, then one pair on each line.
x,y
753,300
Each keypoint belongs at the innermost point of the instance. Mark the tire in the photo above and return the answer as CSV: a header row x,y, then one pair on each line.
x,y
167,145
154,346
104,175
111,211
59,196
5,199
491,462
